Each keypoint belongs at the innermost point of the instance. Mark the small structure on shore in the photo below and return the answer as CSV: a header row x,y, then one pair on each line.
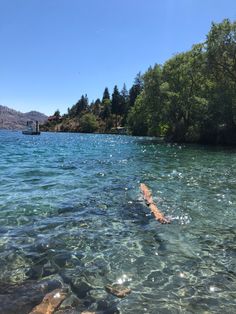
x,y
32,128
119,130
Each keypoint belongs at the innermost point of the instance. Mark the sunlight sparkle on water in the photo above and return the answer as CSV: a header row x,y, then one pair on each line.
x,y
124,278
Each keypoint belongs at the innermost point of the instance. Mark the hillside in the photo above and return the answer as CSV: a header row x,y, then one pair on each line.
x,y
11,119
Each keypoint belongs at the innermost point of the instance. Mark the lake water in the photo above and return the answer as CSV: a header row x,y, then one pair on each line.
x,y
70,207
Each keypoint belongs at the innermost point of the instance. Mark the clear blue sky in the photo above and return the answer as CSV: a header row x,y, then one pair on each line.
x,y
53,51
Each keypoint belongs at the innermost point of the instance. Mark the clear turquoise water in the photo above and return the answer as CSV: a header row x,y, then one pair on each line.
x,y
70,205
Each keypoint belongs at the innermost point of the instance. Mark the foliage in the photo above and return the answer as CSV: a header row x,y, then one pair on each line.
x,y
194,94
115,102
136,89
185,102
190,98
79,107
57,113
88,123
221,61
106,109
136,118
125,105
96,107
106,94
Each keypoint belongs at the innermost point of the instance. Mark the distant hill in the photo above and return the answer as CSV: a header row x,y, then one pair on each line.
x,y
11,119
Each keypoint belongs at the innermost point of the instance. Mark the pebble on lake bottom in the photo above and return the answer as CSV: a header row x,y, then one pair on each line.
x,y
118,290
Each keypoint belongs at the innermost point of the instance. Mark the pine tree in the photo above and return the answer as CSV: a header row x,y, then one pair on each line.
x,y
135,89
96,108
106,94
124,100
81,105
116,103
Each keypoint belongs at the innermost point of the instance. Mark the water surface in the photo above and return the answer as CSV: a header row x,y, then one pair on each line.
x,y
70,206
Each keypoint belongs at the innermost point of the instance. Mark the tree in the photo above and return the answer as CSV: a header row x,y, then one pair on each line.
x,y
96,107
221,61
88,123
116,103
136,118
106,94
186,103
57,113
145,115
152,98
136,89
148,105
124,100
79,107
221,49
105,112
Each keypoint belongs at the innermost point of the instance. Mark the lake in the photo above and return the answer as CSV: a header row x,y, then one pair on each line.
x,y
71,209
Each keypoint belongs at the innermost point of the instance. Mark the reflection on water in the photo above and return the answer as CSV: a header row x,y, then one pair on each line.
x,y
70,208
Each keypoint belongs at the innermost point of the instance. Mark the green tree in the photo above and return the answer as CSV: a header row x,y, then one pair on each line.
x,y
79,107
152,98
96,107
106,94
124,103
186,104
88,123
136,118
148,105
136,89
116,105
106,112
57,113
221,61
221,50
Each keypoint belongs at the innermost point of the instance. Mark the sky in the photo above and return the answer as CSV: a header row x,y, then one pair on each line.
x,y
53,51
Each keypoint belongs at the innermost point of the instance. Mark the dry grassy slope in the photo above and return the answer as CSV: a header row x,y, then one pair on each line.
x,y
11,119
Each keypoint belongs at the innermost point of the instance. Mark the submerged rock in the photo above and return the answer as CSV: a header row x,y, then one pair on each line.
x,y
101,312
51,302
21,298
118,290
69,305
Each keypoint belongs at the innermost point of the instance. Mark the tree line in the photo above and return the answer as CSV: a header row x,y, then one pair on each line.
x,y
190,98
102,115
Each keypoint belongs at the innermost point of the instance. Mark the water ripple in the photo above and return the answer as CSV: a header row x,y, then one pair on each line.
x,y
70,206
